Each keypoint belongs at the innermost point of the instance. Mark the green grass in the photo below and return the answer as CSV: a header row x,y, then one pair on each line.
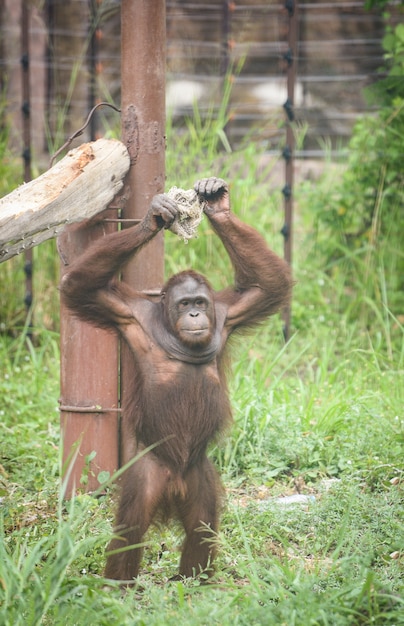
x,y
299,423
321,415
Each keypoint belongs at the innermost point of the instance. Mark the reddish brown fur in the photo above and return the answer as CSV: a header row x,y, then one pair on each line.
x,y
179,396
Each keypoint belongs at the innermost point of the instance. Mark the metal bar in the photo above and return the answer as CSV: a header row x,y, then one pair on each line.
x,y
225,43
143,43
87,409
92,60
120,220
26,115
291,7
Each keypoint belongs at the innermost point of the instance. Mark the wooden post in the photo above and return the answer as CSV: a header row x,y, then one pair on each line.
x,y
89,375
143,42
89,411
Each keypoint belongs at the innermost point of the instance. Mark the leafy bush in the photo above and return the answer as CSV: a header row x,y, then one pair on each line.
x,y
360,221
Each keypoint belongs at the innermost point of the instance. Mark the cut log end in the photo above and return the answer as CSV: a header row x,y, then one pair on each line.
x,y
80,186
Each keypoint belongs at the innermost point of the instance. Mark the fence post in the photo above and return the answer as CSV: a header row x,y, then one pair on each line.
x,y
88,385
290,58
143,60
26,154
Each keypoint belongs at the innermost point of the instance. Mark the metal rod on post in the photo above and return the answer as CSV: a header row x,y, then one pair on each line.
x,y
92,53
225,43
143,65
290,58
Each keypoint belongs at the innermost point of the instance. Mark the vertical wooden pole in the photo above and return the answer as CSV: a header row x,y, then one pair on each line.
x,y
89,411
143,62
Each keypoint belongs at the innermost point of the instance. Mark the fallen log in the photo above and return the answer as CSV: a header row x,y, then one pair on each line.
x,y
81,185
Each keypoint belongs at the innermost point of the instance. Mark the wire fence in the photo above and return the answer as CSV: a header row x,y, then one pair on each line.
x,y
75,62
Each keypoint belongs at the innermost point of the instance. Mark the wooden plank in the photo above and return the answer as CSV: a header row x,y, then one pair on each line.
x,y
81,185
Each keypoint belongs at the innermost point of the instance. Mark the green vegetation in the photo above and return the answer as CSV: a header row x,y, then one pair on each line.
x,y
360,220
321,415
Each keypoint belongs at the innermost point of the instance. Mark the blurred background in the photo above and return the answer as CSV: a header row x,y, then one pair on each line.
x,y
75,62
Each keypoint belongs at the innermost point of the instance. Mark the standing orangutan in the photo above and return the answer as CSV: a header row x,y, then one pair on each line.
x,y
179,398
